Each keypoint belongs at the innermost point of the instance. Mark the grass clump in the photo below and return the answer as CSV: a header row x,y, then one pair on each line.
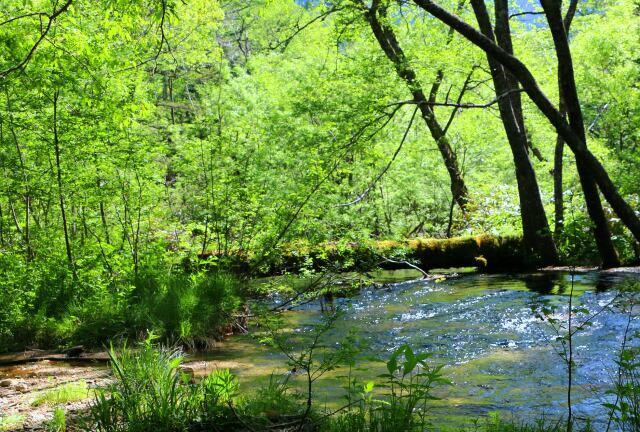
x,y
58,423
153,393
11,422
188,308
65,393
496,423
149,393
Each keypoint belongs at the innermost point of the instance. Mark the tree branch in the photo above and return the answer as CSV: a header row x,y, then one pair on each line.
x,y
43,34
465,86
525,13
282,45
386,168
462,105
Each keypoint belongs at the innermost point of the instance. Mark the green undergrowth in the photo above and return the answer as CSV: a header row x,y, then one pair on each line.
x,y
152,390
11,422
50,308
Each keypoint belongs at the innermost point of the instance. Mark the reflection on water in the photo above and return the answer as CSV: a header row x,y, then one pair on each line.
x,y
499,355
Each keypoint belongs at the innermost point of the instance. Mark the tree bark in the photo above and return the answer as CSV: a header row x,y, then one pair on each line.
x,y
63,213
569,92
388,41
558,191
535,227
530,86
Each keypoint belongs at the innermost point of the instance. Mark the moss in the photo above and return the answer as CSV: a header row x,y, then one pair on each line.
x,y
484,252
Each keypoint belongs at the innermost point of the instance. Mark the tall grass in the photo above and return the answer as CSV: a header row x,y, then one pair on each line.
x,y
188,308
43,305
150,393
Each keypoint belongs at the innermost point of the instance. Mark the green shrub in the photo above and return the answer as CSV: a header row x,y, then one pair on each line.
x,y
404,404
178,307
273,401
624,412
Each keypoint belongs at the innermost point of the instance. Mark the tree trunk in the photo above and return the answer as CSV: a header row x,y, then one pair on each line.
x,y
389,43
25,178
569,92
558,191
530,85
1,226
535,227
558,196
63,213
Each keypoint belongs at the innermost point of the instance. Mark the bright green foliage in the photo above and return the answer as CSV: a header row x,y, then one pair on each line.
x,y
65,393
404,403
625,410
151,392
11,422
138,134
59,421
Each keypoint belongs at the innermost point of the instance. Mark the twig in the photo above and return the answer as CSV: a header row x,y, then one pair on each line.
x,y
43,34
424,273
282,45
386,168
462,105
526,13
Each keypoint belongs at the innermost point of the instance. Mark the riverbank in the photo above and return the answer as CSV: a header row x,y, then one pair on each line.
x,y
497,353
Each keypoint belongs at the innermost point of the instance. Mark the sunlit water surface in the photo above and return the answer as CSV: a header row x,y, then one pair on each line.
x,y
499,355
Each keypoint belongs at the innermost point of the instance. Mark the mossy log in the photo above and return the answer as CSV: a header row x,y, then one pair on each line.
x,y
485,252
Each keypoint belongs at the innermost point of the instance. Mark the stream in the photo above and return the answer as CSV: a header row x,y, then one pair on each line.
x,y
499,355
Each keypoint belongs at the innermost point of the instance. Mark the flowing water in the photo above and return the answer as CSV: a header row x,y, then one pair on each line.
x,y
499,355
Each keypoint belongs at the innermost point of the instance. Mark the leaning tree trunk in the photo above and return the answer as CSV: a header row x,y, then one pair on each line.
x,y
577,145
558,189
569,92
535,227
388,41
558,196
